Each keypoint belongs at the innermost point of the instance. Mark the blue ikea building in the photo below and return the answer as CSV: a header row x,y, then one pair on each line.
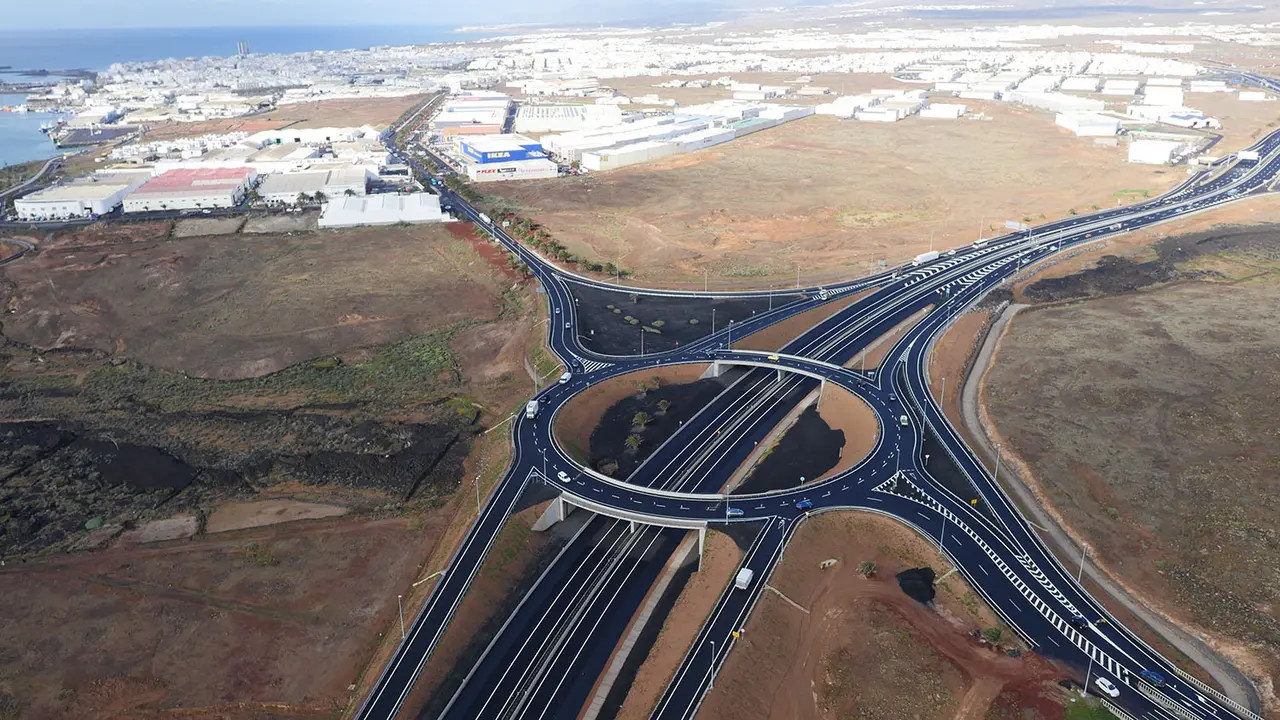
x,y
500,148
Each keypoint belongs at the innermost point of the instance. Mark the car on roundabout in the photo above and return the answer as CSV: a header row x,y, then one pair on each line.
x,y
804,504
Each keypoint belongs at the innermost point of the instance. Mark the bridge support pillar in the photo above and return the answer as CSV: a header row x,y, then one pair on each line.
x,y
555,513
779,374
632,525
702,545
821,388
715,371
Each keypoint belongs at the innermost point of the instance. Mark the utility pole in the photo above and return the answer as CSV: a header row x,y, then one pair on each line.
x,y
711,685
704,279
544,464
730,335
982,226
1084,551
797,276
713,321
641,342
1085,690
944,392
400,602
996,478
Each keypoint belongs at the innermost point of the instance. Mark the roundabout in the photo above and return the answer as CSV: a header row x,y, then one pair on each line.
x,y
681,484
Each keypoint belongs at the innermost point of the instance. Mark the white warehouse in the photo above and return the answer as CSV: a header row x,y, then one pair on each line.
x,y
1153,152
83,199
381,210
1085,124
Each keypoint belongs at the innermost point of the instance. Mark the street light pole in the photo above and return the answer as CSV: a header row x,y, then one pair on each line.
x,y
400,602
944,392
641,342
713,321
730,334
996,478
712,670
1085,690
544,464
1084,551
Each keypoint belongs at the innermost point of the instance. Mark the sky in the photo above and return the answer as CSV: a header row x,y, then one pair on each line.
x,y
268,13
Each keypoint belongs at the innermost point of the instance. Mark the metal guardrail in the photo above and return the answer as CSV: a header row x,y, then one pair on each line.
x,y
1216,694
1154,695
1115,710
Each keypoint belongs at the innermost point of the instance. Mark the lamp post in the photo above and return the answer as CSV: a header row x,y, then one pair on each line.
x,y
400,602
730,335
544,464
711,671
1084,552
996,478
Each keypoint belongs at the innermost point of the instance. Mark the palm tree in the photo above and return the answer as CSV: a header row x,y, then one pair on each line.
x,y
302,198
319,197
633,442
641,419
349,192
663,406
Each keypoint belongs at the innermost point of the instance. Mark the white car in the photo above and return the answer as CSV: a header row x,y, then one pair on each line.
x,y
566,377
564,478
1103,684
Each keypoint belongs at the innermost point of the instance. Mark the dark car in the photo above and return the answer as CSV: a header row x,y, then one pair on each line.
x,y
1078,622
804,504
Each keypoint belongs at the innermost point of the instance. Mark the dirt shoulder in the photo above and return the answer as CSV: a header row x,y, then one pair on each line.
x,y
1166,480
228,307
227,626
863,648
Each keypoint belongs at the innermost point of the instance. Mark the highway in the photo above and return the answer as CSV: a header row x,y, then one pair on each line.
x,y
537,666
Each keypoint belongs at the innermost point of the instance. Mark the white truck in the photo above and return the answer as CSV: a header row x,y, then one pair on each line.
x,y
743,580
485,219
1248,155
923,258
531,409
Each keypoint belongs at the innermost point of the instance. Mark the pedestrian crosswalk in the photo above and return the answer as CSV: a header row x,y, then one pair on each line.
x,y
900,486
594,365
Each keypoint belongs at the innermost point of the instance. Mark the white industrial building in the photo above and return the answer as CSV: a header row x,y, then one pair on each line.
x,y
92,197
381,210
1153,152
1055,102
565,118
1081,83
1253,96
313,136
284,188
539,169
192,189
1085,124
1207,86
627,155
1121,87
943,111
1162,96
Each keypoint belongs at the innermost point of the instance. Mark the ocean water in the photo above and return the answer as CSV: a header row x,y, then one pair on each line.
x,y
92,49
20,136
